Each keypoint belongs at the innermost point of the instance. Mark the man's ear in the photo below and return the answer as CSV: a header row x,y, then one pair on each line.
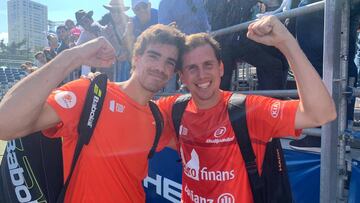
x,y
136,59
221,69
181,76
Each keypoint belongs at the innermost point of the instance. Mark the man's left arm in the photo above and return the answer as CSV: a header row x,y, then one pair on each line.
x,y
316,106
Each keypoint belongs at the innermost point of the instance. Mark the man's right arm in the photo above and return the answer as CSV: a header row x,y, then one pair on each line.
x,y
24,110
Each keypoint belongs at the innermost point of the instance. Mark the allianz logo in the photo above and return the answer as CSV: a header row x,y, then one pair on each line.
x,y
193,170
223,198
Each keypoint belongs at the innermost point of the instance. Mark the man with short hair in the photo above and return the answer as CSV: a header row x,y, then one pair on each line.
x,y
64,38
90,31
91,28
119,32
111,167
40,59
145,16
50,52
213,167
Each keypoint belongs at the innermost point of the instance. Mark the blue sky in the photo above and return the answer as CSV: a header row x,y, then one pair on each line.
x,y
60,10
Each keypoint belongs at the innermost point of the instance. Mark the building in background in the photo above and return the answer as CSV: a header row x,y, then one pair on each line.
x,y
53,25
27,20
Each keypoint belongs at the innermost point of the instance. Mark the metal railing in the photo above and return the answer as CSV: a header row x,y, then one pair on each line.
x,y
318,6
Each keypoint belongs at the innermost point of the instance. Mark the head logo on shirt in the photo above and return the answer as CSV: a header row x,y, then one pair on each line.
x,y
116,107
65,99
275,109
226,197
220,132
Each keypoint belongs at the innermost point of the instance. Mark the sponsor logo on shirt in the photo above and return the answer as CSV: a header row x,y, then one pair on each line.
x,y
218,134
116,107
193,170
226,198
223,198
275,109
196,198
66,99
96,98
183,130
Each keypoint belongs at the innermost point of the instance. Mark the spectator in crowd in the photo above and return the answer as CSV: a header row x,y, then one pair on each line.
x,y
74,32
28,67
74,36
119,32
145,16
69,24
189,16
50,52
271,65
63,35
40,59
90,31
310,35
112,166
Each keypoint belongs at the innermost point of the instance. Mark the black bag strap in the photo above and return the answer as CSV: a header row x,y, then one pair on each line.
x,y
95,96
237,115
159,122
178,111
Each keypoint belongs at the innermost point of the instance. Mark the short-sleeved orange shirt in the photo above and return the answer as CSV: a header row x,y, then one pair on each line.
x,y
213,167
112,166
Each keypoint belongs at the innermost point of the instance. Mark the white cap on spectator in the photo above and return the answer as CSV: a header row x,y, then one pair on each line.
x,y
116,4
136,2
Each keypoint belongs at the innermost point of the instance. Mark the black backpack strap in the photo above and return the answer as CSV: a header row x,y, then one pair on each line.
x,y
159,121
95,97
237,115
178,111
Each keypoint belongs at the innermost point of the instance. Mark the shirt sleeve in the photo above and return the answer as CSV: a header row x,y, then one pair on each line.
x,y
268,117
68,102
165,105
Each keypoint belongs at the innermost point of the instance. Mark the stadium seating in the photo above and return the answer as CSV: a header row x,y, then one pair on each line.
x,y
8,77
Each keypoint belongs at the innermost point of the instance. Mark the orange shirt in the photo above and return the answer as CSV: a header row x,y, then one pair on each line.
x,y
112,166
213,167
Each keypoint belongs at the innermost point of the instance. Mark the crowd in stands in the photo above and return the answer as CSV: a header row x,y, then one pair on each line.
x,y
194,16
